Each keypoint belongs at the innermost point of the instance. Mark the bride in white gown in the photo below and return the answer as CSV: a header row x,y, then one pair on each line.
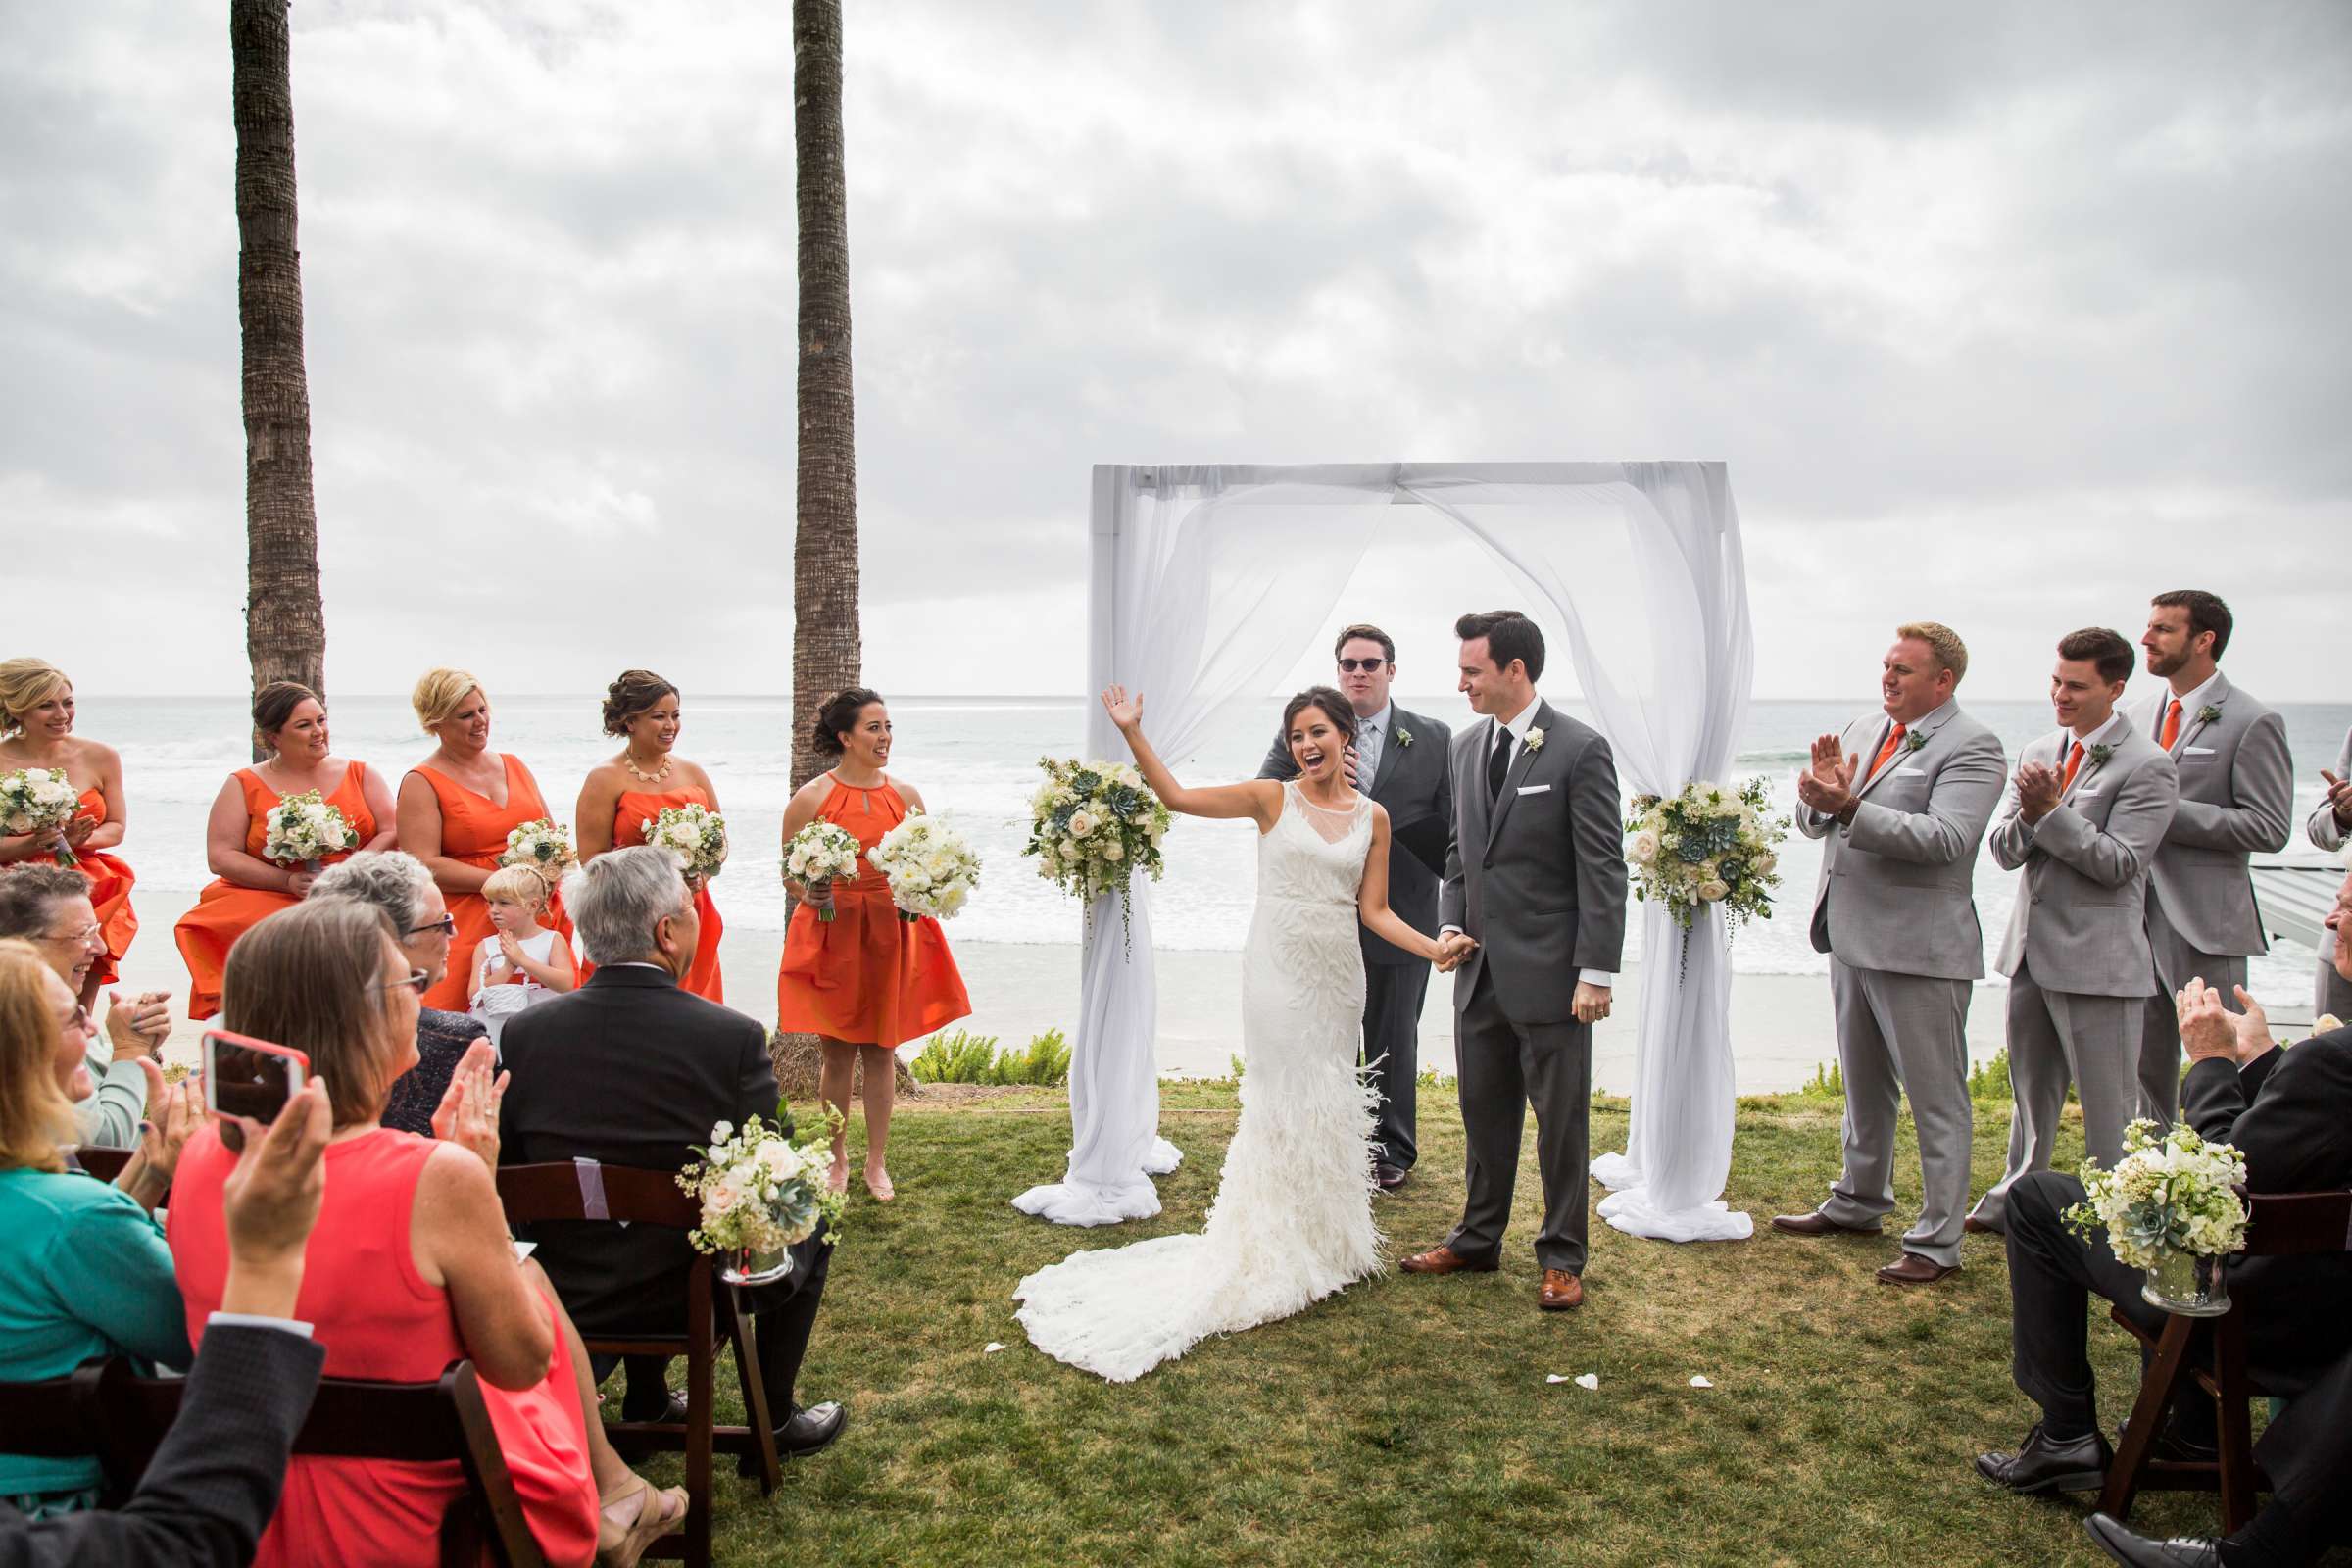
x,y
1292,1217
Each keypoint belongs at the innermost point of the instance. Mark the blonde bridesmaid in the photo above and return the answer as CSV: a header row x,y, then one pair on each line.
x,y
36,731
628,789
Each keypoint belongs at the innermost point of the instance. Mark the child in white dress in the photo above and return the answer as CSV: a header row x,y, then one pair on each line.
x,y
519,962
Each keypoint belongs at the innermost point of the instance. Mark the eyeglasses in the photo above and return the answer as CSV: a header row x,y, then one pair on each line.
x,y
419,981
1367,666
447,925
76,939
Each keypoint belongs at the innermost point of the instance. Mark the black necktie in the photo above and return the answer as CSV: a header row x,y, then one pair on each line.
x,y
1499,763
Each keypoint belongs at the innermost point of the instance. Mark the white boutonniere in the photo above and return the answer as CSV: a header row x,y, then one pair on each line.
x,y
1535,738
2210,713
1404,738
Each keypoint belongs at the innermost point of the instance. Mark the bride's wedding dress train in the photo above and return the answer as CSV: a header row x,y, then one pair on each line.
x,y
1292,1217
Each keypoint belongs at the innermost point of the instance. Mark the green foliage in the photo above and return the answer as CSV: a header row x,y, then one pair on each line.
x,y
1991,1080
1828,1083
965,1058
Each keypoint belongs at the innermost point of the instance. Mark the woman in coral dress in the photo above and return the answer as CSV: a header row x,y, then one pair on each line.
x,y
629,790
36,731
865,981
291,722
456,809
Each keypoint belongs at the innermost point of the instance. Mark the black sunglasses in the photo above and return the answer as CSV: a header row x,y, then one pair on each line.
x,y
417,981
1351,666
447,923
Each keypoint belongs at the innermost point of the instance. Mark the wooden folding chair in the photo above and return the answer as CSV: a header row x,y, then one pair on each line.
x,y
55,1418
351,1419
104,1163
584,1190
2280,1225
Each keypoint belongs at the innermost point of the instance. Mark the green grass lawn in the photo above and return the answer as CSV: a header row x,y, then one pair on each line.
x,y
1407,1420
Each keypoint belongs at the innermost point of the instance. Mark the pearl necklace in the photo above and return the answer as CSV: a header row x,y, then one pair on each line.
x,y
630,763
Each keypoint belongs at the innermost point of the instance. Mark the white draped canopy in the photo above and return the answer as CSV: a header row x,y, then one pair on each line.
x,y
1206,582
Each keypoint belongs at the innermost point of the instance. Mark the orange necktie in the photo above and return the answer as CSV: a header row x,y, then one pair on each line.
x,y
1895,738
2171,725
2073,761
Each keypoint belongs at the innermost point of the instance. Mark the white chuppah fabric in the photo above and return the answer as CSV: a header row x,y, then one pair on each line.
x,y
1591,541
1204,584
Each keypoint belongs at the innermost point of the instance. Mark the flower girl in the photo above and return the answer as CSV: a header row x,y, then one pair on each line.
x,y
519,961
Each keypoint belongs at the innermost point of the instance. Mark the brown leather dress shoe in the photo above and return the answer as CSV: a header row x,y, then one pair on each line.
x,y
1912,1269
1819,1224
1442,1260
1560,1290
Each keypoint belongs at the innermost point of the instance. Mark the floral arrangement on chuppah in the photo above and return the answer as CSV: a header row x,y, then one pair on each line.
x,y
39,801
930,868
2170,1207
304,829
1093,825
695,836
760,1192
821,851
1707,845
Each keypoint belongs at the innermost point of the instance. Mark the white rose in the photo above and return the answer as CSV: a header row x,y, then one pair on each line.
x,y
1081,824
1113,849
1766,862
1712,890
1644,848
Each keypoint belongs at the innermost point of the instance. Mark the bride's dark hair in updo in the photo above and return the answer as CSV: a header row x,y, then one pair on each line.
x,y
1336,708
633,691
838,716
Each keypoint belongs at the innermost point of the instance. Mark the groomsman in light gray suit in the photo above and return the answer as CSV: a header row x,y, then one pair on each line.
x,y
1399,759
1901,801
2237,796
1536,877
2083,818
2330,825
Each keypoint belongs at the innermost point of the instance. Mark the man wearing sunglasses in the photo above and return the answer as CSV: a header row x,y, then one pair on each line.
x,y
1399,759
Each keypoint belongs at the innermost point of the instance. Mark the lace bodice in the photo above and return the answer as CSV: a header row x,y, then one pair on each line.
x,y
1314,856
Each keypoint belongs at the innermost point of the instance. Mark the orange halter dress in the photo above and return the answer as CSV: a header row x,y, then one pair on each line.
x,y
474,831
110,881
225,911
866,976
635,809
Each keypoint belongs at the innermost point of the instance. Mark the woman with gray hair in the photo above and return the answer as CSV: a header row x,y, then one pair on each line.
x,y
398,883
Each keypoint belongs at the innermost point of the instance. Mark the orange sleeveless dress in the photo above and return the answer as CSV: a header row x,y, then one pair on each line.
x,y
225,911
474,831
109,892
636,809
866,976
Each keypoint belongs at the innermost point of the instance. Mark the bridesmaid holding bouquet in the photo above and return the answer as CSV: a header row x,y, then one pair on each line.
x,y
865,981
36,733
291,722
628,791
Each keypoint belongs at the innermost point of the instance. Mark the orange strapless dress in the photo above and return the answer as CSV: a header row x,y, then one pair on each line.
x,y
638,808
225,911
110,893
474,831
866,976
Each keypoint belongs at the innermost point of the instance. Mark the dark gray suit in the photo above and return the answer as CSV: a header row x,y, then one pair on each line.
x,y
1538,879
1415,787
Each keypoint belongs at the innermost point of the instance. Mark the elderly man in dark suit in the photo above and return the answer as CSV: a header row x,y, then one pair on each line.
x,y
2288,1109
1399,759
630,1071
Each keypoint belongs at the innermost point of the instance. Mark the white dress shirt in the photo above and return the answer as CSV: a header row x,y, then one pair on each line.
x,y
2190,702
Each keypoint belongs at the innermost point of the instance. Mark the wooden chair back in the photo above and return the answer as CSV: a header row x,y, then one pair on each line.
x,y
104,1163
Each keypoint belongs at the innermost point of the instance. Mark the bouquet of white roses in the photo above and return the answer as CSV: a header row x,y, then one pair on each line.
x,y
543,846
303,829
2166,1195
39,801
758,1190
930,868
695,836
1707,845
1093,825
821,851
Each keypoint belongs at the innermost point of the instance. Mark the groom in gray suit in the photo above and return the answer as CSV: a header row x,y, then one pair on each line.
x,y
2237,796
1535,878
1399,759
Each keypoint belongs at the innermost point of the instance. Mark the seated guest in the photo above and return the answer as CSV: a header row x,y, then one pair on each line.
x,y
215,1479
631,1069
411,1267
397,883
2288,1111
49,906
83,1270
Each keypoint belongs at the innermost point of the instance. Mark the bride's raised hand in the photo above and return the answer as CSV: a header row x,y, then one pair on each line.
x,y
1125,711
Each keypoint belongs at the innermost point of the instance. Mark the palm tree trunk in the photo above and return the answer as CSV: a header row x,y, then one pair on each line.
x,y
285,622
827,647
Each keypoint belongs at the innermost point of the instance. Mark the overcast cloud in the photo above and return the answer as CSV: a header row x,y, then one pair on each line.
x,y
2003,315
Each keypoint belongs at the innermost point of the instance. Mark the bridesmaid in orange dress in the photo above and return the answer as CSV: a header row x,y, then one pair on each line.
x,y
291,722
628,789
36,731
866,981
456,809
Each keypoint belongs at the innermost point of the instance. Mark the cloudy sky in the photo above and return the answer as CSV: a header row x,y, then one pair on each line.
x,y
2007,315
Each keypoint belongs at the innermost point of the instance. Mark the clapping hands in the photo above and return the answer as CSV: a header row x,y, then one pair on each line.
x,y
2038,790
1827,785
2209,1029
468,1114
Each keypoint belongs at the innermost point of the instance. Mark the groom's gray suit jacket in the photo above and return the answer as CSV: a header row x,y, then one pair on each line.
x,y
1538,879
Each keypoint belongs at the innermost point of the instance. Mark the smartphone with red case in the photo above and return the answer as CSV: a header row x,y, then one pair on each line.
x,y
248,1077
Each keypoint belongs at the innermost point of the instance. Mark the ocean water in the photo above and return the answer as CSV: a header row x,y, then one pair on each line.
x,y
975,761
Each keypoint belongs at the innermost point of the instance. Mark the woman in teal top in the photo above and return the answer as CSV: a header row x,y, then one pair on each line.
x,y
83,1269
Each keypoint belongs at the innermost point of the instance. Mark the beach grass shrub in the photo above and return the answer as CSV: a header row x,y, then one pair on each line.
x,y
965,1058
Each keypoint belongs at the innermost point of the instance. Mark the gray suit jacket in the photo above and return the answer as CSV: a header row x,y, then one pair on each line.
x,y
2324,829
1897,885
2081,920
1415,787
2237,796
1539,877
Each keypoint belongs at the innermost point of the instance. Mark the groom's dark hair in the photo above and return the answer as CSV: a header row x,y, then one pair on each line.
x,y
1509,635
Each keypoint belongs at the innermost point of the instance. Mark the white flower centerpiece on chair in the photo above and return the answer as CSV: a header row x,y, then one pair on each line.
x,y
2170,1206
761,1193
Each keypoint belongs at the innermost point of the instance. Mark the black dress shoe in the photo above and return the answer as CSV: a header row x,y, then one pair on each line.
x,y
2040,1465
2126,1546
802,1435
672,1410
1388,1178
2172,1446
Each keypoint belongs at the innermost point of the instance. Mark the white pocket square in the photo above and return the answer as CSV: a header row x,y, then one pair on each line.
x,y
2090,789
1535,788
1909,768
2197,751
